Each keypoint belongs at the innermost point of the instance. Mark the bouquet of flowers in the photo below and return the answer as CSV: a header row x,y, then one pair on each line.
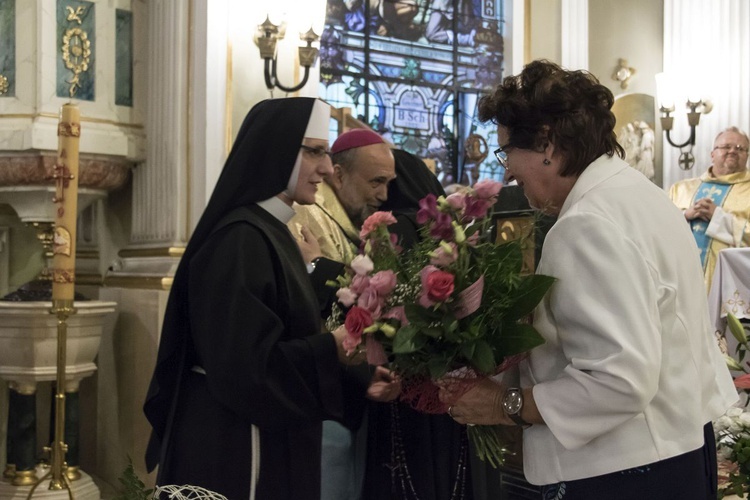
x,y
451,308
732,430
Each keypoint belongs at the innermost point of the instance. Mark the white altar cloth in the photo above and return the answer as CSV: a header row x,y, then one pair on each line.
x,y
730,289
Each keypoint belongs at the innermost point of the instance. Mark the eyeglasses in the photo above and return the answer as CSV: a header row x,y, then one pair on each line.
x,y
318,152
729,147
502,156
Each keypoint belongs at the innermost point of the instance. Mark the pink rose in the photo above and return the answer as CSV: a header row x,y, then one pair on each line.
x,y
361,264
437,286
383,282
357,319
370,300
487,188
346,296
360,283
374,221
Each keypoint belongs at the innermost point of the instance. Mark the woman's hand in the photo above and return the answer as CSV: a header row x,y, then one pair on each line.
x,y
308,245
385,385
482,404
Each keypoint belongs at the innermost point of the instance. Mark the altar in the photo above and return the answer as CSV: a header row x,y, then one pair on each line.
x,y
730,289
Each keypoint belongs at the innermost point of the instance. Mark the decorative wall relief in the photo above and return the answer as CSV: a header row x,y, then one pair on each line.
x,y
7,48
123,57
76,37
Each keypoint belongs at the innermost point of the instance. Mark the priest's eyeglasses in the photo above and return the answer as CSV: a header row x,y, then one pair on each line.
x,y
502,156
318,153
729,147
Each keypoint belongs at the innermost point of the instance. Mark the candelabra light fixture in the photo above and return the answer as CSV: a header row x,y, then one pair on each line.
x,y
267,38
695,106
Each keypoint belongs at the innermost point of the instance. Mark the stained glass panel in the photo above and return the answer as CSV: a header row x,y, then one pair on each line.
x,y
413,70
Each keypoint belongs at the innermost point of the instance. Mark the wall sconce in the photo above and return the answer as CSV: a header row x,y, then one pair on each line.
x,y
695,108
266,39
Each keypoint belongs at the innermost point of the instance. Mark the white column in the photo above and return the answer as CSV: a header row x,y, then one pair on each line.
x,y
575,34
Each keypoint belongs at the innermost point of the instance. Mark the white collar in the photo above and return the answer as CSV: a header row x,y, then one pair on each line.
x,y
277,208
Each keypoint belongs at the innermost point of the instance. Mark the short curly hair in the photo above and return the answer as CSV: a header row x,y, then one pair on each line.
x,y
546,103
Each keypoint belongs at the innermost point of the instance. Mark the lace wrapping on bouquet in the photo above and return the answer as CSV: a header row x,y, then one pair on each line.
x,y
186,492
421,393
470,298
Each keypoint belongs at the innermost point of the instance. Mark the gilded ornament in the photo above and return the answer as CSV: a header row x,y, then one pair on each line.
x,y
4,84
61,244
63,276
75,15
475,149
76,51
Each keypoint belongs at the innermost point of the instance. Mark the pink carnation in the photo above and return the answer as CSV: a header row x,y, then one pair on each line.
x,y
375,221
383,282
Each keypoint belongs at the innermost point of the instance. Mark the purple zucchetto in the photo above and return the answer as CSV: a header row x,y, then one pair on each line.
x,y
356,138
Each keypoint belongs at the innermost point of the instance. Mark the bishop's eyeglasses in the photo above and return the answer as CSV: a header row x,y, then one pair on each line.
x,y
316,152
729,147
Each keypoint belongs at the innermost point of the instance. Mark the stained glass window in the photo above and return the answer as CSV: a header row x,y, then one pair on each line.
x,y
413,70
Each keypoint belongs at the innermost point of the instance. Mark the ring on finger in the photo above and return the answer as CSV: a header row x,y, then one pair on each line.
x,y
450,411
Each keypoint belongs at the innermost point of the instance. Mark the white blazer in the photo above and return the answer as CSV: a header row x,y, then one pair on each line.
x,y
630,371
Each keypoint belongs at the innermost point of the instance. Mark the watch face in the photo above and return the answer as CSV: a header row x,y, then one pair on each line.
x,y
512,402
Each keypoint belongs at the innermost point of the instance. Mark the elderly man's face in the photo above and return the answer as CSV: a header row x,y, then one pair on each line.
x,y
729,154
364,186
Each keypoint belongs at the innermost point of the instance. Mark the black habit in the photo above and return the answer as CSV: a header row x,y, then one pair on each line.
x,y
241,343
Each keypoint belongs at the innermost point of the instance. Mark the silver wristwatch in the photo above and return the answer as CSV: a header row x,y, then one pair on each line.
x,y
512,404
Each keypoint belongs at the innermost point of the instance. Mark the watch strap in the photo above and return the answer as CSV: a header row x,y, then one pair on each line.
x,y
515,417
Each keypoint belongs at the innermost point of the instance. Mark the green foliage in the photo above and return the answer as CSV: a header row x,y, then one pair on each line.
x,y
133,487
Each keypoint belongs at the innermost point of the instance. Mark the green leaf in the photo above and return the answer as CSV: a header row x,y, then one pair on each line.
x,y
517,338
437,366
133,487
420,315
528,295
403,342
467,349
736,328
483,359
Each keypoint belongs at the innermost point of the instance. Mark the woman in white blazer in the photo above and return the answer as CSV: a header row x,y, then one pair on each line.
x,y
618,403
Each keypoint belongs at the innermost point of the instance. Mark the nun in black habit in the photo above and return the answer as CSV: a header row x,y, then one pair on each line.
x,y
244,377
413,455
